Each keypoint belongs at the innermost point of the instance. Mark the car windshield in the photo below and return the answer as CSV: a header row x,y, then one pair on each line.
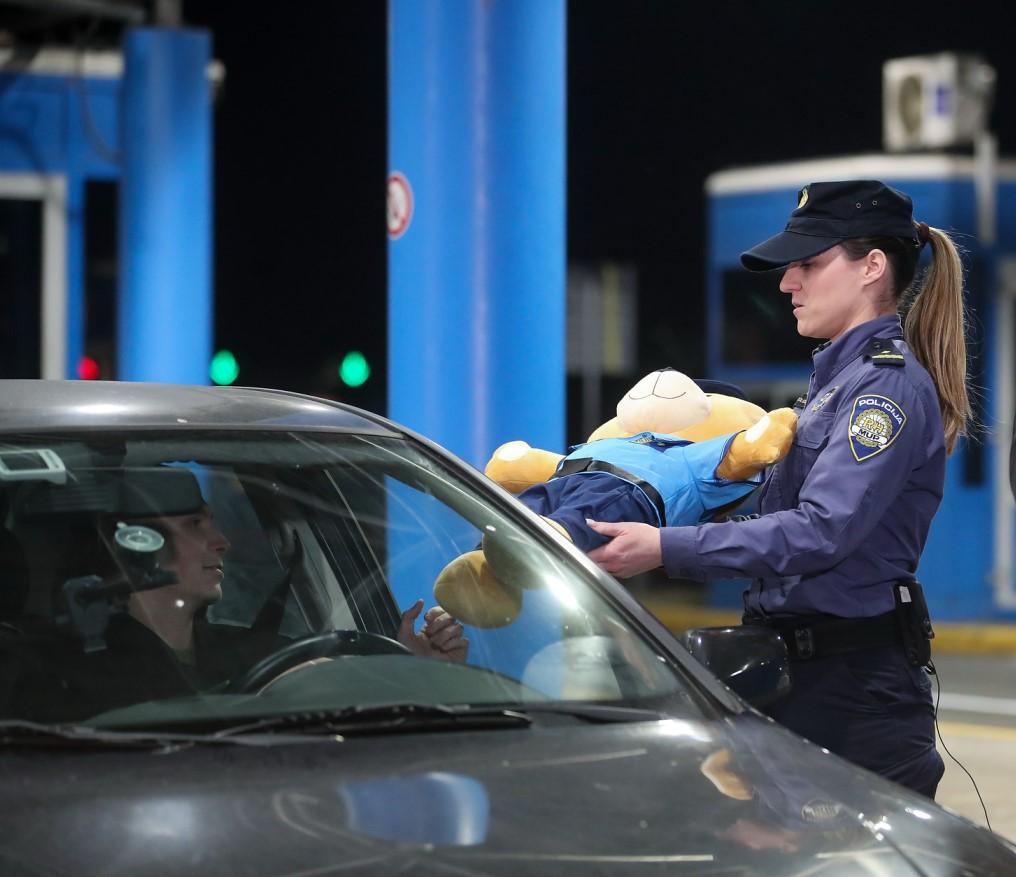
x,y
156,578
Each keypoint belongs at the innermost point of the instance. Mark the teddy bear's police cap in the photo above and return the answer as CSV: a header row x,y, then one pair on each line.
x,y
722,387
828,213
708,385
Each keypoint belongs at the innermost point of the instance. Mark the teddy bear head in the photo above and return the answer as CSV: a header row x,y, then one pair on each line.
x,y
667,401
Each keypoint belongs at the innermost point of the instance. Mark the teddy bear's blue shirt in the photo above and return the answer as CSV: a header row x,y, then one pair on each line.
x,y
632,478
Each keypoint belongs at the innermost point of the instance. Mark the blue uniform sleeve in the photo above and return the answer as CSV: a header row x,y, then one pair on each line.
x,y
845,468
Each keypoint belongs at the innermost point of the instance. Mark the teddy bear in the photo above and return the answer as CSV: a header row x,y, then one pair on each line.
x,y
673,455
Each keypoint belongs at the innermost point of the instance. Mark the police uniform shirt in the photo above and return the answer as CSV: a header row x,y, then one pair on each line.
x,y
847,512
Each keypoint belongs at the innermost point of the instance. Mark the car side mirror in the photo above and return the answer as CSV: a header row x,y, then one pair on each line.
x,y
751,660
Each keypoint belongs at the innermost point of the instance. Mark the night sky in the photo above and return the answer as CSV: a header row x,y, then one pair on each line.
x,y
660,94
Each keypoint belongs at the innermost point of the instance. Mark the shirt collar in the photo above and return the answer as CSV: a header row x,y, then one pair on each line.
x,y
830,357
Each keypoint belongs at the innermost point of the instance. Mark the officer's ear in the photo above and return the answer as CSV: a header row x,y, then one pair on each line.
x,y
874,266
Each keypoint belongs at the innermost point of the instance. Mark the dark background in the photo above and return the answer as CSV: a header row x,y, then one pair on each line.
x,y
660,94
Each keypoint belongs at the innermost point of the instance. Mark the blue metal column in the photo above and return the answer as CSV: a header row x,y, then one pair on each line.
x,y
476,197
165,307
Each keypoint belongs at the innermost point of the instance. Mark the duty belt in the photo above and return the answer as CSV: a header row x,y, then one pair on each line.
x,y
587,464
809,637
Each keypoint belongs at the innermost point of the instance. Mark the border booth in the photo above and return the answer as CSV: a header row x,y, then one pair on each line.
x,y
967,567
105,209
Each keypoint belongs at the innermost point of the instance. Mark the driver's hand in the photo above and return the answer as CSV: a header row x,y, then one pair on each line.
x,y
440,637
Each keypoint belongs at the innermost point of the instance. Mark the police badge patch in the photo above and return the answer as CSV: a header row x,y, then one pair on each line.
x,y
875,423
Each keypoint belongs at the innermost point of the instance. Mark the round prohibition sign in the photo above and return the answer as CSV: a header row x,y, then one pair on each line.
x,y
399,205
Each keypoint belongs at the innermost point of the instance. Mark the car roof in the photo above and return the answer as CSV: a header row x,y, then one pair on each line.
x,y
32,405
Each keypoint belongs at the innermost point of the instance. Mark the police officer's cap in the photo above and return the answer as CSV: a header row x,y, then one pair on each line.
x,y
828,213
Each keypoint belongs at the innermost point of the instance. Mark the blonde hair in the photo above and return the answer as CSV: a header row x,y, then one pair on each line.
x,y
935,323
935,330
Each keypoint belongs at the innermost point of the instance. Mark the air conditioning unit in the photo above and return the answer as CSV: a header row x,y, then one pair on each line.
x,y
935,101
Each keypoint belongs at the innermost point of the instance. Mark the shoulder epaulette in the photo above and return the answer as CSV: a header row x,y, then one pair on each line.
x,y
882,352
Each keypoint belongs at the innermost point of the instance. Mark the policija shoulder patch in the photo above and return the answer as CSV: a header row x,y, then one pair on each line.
x,y
875,423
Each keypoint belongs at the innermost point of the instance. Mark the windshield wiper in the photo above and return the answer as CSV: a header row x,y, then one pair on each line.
x,y
402,717
597,713
19,732
384,718
305,727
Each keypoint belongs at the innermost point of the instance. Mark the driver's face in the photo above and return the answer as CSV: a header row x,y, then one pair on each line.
x,y
195,553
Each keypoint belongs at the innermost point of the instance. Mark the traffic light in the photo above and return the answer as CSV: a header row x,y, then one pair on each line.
x,y
354,369
88,369
224,368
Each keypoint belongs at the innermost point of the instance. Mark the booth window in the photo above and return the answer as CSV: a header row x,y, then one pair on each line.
x,y
21,285
101,274
758,325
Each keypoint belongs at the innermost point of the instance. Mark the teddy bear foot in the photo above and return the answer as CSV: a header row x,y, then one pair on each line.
x,y
468,589
512,563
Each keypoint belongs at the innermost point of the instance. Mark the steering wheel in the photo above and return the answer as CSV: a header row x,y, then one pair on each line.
x,y
318,645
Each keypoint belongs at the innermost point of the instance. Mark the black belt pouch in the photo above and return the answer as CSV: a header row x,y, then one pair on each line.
x,y
914,622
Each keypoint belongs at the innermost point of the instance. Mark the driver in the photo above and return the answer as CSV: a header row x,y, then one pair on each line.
x,y
163,646
195,551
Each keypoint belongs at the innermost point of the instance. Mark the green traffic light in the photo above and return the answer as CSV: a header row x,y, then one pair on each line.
x,y
224,368
354,370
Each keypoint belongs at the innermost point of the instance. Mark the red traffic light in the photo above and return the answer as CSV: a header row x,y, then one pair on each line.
x,y
88,369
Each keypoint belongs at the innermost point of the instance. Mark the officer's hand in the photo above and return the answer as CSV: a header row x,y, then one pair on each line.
x,y
633,548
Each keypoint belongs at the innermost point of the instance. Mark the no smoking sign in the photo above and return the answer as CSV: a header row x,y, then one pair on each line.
x,y
400,205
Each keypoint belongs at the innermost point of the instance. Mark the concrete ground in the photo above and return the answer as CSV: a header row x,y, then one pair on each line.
x,y
976,691
977,725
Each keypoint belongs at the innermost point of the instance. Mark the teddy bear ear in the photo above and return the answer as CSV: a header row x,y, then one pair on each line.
x,y
611,429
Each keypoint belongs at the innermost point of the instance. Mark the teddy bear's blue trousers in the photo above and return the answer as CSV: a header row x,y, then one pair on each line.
x,y
597,495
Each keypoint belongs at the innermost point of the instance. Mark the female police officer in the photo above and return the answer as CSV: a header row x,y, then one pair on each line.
x,y
845,515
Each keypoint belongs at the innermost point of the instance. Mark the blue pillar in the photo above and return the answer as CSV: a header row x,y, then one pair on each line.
x,y
476,121
165,308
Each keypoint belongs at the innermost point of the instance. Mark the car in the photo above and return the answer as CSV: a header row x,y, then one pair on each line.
x,y
298,734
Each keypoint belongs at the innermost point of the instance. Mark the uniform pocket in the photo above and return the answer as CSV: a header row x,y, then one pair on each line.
x,y
813,431
888,678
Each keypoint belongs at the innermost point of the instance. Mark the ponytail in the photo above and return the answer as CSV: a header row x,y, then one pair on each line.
x,y
935,331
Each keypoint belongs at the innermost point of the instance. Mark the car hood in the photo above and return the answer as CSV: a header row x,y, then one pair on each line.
x,y
738,796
